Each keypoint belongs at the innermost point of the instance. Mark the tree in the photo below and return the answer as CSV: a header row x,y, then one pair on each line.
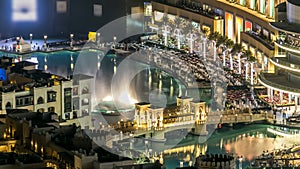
x,y
165,19
238,48
248,55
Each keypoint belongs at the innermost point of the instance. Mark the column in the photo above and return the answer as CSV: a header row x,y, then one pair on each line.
x,y
281,97
296,103
271,94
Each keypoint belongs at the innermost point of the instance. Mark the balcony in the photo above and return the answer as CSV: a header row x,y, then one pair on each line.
x,y
279,83
288,46
192,7
285,64
264,41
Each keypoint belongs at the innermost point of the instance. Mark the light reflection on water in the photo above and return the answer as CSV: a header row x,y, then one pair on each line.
x,y
248,141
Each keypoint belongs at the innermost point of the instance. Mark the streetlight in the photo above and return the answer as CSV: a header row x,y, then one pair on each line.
x,y
71,40
18,43
45,41
30,38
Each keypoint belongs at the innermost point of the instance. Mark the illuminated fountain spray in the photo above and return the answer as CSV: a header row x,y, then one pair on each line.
x,y
98,62
115,66
72,62
45,66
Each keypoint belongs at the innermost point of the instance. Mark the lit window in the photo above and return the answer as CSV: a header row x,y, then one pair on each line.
x,y
97,10
61,6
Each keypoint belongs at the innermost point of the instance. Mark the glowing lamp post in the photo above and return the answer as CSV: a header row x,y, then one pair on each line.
x,y
239,61
215,49
45,41
191,38
115,39
30,35
224,57
251,73
18,43
71,40
166,31
177,33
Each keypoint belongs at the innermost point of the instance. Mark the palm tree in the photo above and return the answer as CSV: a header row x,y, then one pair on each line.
x,y
165,19
239,50
249,58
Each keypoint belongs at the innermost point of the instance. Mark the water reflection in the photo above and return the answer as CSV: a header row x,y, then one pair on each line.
x,y
248,141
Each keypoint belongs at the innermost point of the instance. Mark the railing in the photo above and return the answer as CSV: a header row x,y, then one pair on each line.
x,y
263,79
196,9
285,63
287,46
261,40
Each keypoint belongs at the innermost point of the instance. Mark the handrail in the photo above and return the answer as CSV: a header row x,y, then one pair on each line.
x,y
285,63
276,85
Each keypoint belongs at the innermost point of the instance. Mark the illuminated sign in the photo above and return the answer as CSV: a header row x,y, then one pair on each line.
x,y
2,74
24,10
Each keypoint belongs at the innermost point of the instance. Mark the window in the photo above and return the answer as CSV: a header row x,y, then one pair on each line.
x,y
97,10
68,100
85,90
51,96
76,103
61,6
85,112
51,109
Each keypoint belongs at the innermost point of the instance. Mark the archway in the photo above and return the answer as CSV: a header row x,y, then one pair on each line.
x,y
8,105
40,100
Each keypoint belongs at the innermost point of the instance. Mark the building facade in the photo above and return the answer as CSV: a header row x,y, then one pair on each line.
x,y
283,76
24,87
